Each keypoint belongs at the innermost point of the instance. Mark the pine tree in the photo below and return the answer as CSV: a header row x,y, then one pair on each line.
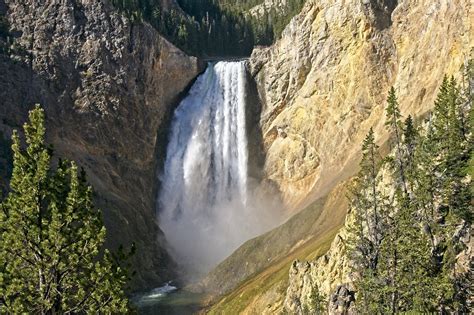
x,y
419,231
394,126
410,142
405,262
51,236
366,198
425,177
367,229
452,151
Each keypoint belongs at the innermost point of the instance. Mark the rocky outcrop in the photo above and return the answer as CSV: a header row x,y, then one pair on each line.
x,y
342,301
267,6
324,84
330,274
333,273
107,86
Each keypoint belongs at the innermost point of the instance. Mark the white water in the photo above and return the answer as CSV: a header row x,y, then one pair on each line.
x,y
167,288
205,206
154,296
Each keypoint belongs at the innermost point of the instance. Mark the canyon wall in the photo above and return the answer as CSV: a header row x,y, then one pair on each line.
x,y
107,86
332,275
324,83
322,86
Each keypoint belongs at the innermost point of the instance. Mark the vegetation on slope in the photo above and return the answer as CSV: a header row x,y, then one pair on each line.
x,y
214,27
6,161
267,289
51,235
426,242
408,225
262,252
261,265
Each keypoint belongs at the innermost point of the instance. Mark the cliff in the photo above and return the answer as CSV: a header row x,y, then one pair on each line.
x,y
322,86
332,274
108,86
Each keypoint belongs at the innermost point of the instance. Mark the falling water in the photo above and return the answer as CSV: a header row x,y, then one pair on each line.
x,y
203,204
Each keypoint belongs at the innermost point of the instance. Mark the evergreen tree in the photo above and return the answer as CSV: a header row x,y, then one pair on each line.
x,y
51,236
410,142
418,234
405,263
366,197
367,230
425,173
394,126
452,150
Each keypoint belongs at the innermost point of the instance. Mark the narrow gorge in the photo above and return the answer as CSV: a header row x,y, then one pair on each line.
x,y
207,206
226,143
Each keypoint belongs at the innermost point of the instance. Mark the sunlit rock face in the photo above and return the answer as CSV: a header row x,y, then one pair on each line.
x,y
107,87
324,84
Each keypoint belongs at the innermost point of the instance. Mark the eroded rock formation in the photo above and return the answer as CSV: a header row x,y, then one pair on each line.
x,y
106,86
324,84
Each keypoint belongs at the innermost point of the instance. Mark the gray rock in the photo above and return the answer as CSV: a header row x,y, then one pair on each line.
x,y
108,88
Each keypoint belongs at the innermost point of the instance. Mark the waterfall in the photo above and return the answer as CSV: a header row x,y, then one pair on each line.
x,y
204,207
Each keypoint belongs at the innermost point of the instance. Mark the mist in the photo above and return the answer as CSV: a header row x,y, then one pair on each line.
x,y
207,205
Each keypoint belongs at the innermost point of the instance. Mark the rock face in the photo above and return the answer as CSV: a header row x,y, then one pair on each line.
x,y
324,84
333,275
267,5
330,274
107,87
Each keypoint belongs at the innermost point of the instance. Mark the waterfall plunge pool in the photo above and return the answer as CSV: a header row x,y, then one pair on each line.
x,y
208,205
168,300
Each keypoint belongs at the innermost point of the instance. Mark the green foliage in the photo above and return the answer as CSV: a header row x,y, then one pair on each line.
x,y
394,126
6,161
451,145
317,302
51,236
368,222
405,259
213,27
